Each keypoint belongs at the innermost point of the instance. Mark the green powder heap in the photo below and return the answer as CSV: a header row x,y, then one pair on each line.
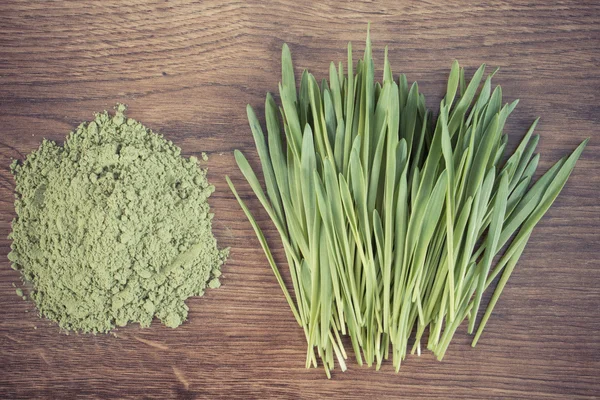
x,y
114,227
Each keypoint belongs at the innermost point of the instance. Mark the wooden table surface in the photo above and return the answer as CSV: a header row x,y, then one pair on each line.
x,y
187,70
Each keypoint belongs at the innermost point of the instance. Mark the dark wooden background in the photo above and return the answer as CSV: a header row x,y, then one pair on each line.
x,y
188,70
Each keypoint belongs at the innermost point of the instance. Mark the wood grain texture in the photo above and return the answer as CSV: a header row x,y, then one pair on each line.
x,y
188,70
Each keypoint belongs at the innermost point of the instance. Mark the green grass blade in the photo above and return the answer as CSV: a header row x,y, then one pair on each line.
x,y
267,251
265,159
491,243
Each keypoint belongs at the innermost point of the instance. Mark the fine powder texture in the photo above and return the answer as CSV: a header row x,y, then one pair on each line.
x,y
113,227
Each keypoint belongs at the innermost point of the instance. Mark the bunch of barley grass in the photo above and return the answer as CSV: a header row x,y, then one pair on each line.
x,y
390,219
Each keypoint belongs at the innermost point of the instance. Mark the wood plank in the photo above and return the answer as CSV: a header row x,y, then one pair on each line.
x,y
187,70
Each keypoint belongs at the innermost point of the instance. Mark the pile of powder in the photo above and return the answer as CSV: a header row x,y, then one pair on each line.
x,y
113,227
